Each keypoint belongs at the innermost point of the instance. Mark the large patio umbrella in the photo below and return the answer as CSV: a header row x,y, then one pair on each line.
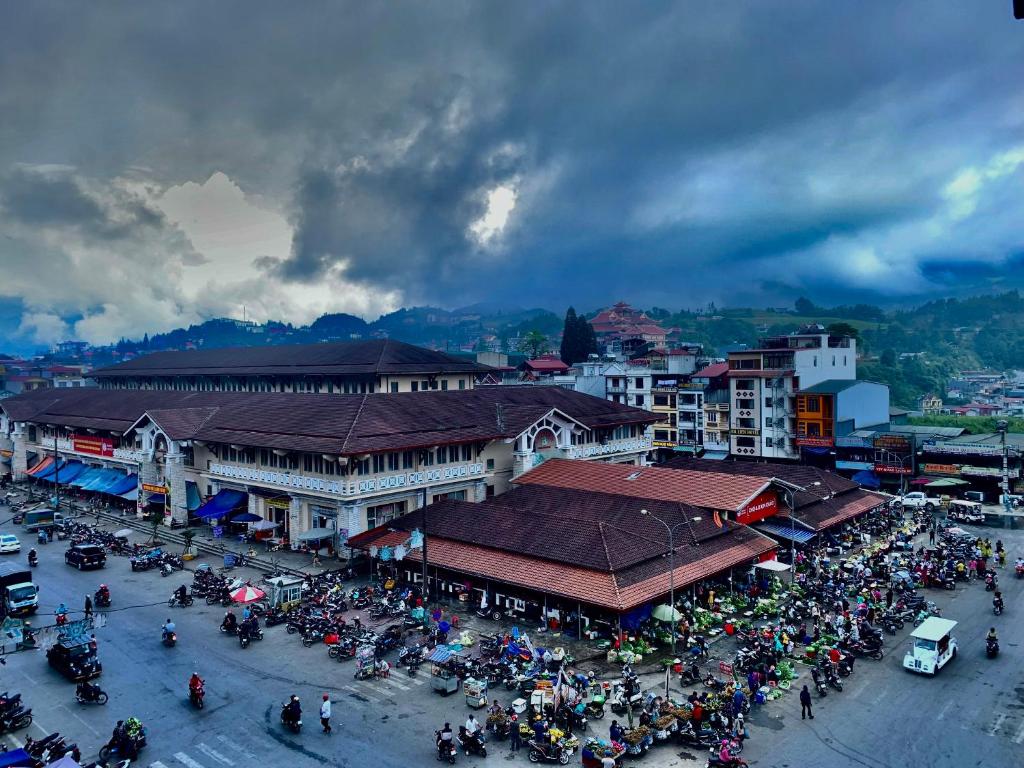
x,y
247,594
245,517
263,525
946,482
666,612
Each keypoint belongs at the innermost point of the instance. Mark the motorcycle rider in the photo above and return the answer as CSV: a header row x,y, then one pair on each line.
x,y
33,557
230,623
88,691
118,737
195,684
444,739
181,593
997,601
168,629
992,637
103,595
293,711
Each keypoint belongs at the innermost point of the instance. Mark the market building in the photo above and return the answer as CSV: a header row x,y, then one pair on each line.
x,y
978,460
331,464
345,367
594,545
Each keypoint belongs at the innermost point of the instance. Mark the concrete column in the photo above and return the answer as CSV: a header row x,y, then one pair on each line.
x,y
480,487
150,472
19,461
351,518
174,466
253,502
296,524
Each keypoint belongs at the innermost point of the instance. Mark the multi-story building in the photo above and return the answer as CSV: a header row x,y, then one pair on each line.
x,y
346,367
621,329
343,463
705,405
836,408
764,382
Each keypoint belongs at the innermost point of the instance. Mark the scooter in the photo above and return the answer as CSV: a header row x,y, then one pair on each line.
x,y
86,693
819,684
992,648
445,749
997,606
293,725
471,743
170,639
15,719
195,695
546,752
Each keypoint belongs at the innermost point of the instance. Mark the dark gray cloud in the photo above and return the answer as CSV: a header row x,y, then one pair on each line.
x,y
671,153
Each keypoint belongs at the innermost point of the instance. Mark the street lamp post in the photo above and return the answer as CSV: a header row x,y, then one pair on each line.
x,y
792,528
1002,425
671,529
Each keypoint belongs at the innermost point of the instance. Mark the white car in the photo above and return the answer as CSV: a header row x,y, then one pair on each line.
x,y
9,543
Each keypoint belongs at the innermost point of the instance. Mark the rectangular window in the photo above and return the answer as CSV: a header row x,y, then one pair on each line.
x,y
378,463
307,462
408,460
744,383
745,442
394,386
661,400
442,455
428,459
814,405
363,467
392,462
746,423
767,402
444,385
746,404
767,421
490,491
425,385
467,453
415,386
490,465
639,382
769,443
639,400
453,454
462,383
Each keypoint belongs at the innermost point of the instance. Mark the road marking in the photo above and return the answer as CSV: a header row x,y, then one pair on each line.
x,y
18,743
945,709
211,752
417,681
995,727
395,683
75,715
157,764
235,746
363,693
382,691
1019,738
187,761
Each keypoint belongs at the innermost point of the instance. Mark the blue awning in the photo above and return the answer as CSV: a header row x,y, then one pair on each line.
x,y
192,500
86,477
47,474
225,501
125,484
157,498
799,535
132,495
714,455
111,479
72,470
867,479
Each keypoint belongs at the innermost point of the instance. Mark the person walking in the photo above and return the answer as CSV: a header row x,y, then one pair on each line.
x,y
515,740
325,714
88,606
805,704
931,535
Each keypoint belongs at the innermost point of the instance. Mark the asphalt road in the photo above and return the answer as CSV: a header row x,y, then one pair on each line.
x,y
972,713
375,723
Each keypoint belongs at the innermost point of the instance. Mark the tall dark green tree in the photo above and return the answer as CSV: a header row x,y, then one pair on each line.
x,y
578,338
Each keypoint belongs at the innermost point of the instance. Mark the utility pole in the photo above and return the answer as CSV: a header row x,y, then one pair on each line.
x,y
56,472
1002,425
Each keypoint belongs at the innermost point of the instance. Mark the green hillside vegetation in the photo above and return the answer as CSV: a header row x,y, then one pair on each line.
x,y
974,425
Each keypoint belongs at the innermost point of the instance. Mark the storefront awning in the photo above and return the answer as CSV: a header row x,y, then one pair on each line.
x,y
86,477
109,479
125,484
715,455
50,471
799,535
772,565
225,501
192,500
72,470
317,534
867,479
41,466
684,448
132,495
157,498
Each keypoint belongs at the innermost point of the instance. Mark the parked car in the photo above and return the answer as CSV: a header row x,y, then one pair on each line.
x,y
919,500
74,659
9,543
83,556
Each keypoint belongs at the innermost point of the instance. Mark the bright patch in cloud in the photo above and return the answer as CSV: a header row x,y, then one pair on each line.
x,y
501,201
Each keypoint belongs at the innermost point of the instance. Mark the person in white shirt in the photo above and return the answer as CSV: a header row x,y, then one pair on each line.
x,y
325,714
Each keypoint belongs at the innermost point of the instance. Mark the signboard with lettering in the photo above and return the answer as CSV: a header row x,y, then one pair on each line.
x,y
614,446
893,469
962,448
150,488
763,505
941,469
663,444
893,443
815,442
856,465
94,446
746,432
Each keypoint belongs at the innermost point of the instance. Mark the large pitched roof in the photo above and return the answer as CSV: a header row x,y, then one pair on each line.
x,y
335,424
592,547
715,491
343,358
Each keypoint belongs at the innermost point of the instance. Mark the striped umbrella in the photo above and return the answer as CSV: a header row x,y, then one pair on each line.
x,y
247,594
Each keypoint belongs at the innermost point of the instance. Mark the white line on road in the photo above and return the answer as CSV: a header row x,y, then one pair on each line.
x,y
364,693
211,752
382,691
1019,738
15,741
235,746
75,715
157,764
187,761
945,709
995,726
395,683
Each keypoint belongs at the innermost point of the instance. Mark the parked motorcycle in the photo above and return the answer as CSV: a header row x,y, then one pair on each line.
x,y
546,752
15,719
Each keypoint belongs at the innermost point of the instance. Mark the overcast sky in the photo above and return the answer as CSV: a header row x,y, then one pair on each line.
x,y
162,163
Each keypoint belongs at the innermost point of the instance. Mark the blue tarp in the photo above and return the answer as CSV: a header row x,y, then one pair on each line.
x,y
47,474
192,500
783,530
157,498
103,479
16,757
68,472
636,617
132,495
867,479
225,501
86,477
125,484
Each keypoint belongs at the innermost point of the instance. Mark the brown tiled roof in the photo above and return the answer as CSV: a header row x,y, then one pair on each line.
x,y
797,474
343,358
715,491
620,588
336,424
827,513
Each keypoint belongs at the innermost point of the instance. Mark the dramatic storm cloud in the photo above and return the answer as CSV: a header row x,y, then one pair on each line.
x,y
165,163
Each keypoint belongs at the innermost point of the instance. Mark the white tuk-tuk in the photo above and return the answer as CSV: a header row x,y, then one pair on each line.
x,y
933,646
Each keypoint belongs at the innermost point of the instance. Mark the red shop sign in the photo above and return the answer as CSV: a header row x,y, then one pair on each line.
x,y
764,505
96,446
